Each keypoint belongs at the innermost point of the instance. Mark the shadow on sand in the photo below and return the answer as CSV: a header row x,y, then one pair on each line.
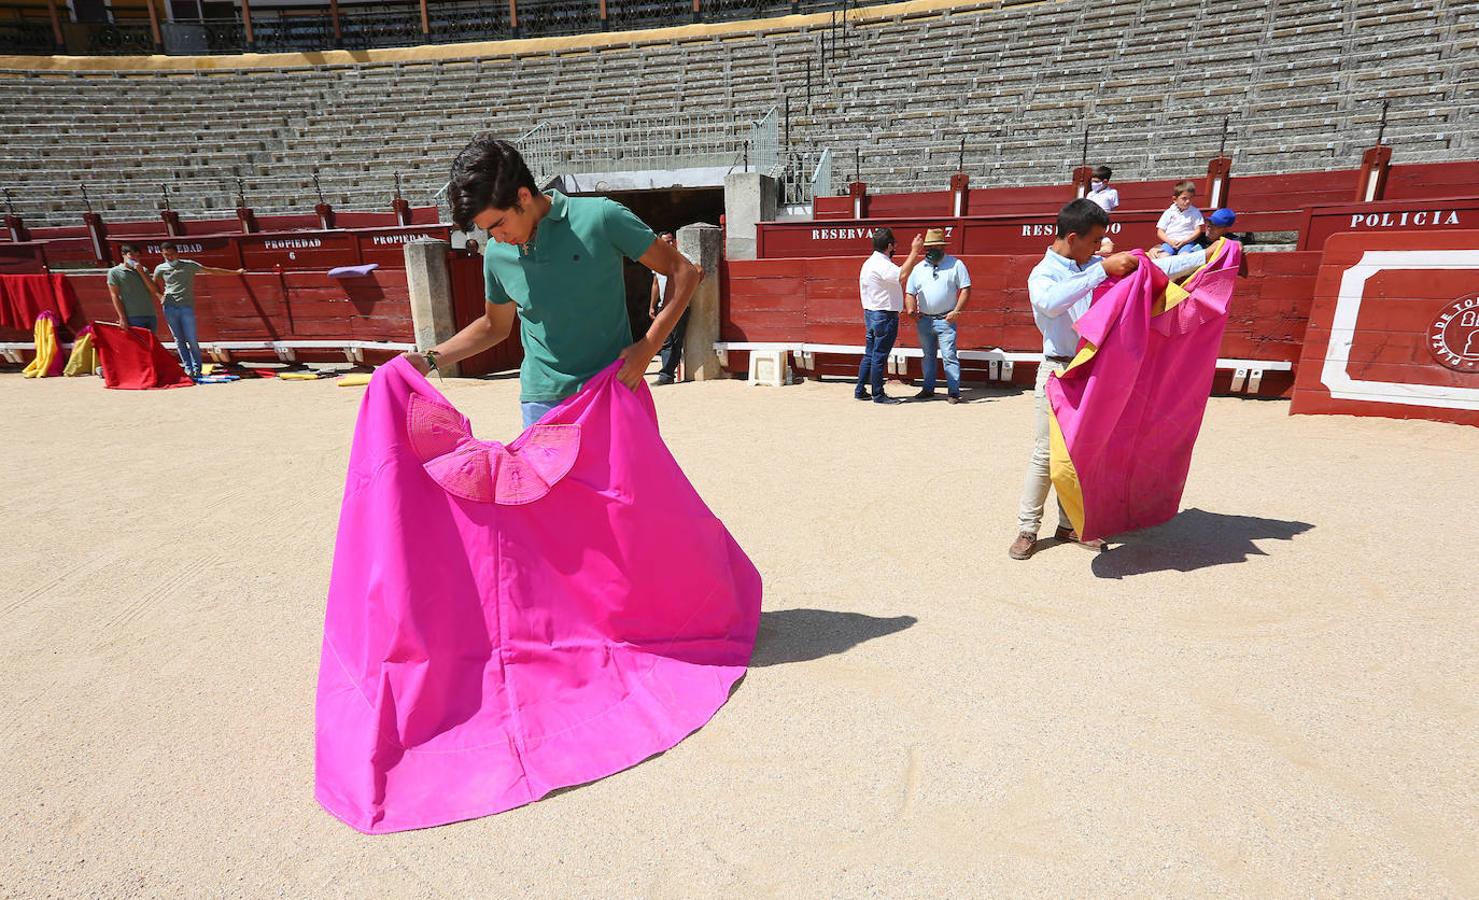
x,y
799,635
1195,539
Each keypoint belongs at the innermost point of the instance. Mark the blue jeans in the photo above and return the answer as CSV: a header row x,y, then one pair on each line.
x,y
1189,247
938,335
534,410
149,322
181,321
883,330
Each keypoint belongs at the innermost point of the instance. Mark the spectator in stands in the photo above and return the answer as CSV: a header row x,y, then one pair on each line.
x,y
472,248
672,347
1060,289
1181,224
881,286
175,277
1100,192
556,265
936,293
132,292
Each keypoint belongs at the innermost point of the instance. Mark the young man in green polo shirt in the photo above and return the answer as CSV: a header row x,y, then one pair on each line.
x,y
556,263
131,291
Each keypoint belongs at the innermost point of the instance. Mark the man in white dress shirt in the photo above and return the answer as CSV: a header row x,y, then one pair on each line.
x,y
881,285
1061,288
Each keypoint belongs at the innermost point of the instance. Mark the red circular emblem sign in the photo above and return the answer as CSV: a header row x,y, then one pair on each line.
x,y
1453,338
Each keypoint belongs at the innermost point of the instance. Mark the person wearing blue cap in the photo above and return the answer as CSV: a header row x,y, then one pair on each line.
x,y
1219,225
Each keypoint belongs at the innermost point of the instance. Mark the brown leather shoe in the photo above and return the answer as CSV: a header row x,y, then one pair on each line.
x,y
1070,536
1022,547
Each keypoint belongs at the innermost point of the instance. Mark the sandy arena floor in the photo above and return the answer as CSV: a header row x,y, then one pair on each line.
x,y
1274,694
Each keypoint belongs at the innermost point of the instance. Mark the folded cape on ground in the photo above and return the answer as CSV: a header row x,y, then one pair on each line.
x,y
1126,412
84,358
48,360
133,359
505,620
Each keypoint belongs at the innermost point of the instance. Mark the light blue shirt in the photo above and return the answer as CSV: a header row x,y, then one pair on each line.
x,y
936,288
1061,291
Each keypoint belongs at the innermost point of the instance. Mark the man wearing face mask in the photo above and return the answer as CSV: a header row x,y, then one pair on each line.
x,y
1106,197
937,291
1061,288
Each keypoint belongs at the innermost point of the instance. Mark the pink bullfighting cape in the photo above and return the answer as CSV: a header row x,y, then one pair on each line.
x,y
1126,411
505,620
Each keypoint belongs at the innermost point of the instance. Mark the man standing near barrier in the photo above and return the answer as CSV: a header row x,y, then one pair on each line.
x,y
131,291
672,347
881,286
1061,288
175,277
556,264
937,291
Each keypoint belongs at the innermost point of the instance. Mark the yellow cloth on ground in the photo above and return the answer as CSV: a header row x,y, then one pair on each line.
x,y
84,358
299,376
46,350
355,379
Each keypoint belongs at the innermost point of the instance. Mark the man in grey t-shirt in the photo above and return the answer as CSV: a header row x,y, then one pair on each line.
x,y
132,292
175,277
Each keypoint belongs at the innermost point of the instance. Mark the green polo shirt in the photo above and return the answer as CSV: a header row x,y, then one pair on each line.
x,y
570,292
137,301
179,281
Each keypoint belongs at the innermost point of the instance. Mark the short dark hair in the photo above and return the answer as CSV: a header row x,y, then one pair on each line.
x,y
882,238
487,173
1184,186
127,248
1103,172
167,245
1080,217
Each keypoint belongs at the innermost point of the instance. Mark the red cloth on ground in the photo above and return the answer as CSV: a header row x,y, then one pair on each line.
x,y
133,359
24,297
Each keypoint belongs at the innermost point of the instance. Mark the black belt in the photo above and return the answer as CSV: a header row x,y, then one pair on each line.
x,y
1059,359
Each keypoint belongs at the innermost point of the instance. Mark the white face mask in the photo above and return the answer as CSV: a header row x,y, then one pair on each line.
x,y
1097,185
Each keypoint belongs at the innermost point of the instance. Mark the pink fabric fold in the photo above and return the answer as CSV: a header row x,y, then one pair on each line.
x,y
508,619
1129,414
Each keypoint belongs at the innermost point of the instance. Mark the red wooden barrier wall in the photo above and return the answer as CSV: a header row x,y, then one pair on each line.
x,y
815,301
1394,328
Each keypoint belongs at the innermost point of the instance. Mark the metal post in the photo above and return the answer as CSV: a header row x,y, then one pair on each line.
x,y
857,164
246,21
426,18
1222,151
316,188
334,17
808,84
513,17
56,27
1085,160
961,167
605,23
1381,129
240,191
154,26
397,185
86,201
788,123
164,189
698,13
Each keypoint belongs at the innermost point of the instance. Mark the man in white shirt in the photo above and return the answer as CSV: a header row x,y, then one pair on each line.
x,y
1061,288
935,293
881,285
672,345
1100,192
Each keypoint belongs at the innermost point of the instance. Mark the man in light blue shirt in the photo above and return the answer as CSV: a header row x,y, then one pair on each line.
x,y
936,293
1061,288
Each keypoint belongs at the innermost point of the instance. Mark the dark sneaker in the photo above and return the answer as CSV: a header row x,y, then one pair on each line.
x,y
862,395
664,378
1069,536
924,395
1022,547
887,400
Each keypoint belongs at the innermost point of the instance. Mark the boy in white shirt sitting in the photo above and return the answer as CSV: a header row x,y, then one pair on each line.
x,y
1181,224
